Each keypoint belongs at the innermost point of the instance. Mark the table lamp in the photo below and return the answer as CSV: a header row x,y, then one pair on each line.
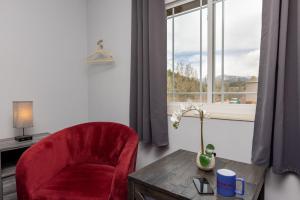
x,y
23,118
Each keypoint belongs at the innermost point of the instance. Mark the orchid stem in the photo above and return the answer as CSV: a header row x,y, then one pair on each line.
x,y
201,116
201,122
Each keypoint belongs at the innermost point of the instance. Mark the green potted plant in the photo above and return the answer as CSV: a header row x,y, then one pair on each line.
x,y
205,158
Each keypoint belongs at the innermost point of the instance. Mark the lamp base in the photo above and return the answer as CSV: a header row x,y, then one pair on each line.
x,y
23,138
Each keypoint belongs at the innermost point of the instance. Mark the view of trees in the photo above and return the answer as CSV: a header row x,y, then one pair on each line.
x,y
186,83
187,86
185,79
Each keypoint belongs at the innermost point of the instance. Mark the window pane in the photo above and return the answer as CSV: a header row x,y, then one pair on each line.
x,y
186,7
235,98
242,45
235,70
218,48
169,60
187,56
187,97
204,44
169,12
217,98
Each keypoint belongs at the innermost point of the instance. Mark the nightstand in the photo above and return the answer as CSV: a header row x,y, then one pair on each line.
x,y
10,152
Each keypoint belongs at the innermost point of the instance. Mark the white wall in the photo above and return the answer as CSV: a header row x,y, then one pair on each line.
x,y
110,21
42,52
230,138
109,101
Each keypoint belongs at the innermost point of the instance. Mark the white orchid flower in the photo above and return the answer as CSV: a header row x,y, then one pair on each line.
x,y
174,119
184,108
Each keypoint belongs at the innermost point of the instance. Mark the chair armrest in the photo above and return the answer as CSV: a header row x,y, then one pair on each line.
x,y
125,166
40,163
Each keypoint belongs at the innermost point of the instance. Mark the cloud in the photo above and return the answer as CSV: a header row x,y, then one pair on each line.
x,y
242,24
244,64
242,37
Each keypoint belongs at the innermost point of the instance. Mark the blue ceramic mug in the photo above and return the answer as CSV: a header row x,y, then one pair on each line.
x,y
226,183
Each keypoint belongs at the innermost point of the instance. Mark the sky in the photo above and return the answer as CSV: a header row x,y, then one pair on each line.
x,y
241,38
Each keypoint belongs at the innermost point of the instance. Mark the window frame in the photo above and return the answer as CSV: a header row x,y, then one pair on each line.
x,y
243,112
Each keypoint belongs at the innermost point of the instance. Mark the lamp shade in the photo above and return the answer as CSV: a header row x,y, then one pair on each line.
x,y
23,114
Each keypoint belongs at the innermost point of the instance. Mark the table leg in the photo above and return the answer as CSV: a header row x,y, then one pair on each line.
x,y
130,190
262,193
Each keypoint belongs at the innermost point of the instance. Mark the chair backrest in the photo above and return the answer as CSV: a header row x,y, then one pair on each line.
x,y
97,142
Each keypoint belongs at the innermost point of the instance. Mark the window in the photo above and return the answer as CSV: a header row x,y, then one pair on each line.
x,y
213,53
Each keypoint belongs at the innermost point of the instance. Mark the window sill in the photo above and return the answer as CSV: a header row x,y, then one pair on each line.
x,y
222,116
231,112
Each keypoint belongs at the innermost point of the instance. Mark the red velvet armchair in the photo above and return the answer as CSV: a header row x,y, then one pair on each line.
x,y
85,162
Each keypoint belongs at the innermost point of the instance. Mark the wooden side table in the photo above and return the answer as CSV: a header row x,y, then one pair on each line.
x,y
10,152
171,178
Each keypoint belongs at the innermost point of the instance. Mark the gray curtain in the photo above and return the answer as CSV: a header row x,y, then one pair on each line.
x,y
148,90
276,139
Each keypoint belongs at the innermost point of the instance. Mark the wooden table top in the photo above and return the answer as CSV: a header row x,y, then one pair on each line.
x,y
174,175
